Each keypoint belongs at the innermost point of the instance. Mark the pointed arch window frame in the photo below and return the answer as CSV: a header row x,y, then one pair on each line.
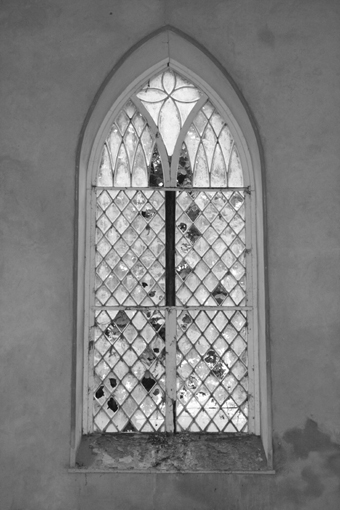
x,y
124,80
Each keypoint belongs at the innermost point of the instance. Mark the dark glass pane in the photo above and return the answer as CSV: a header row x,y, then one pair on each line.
x,y
156,171
184,174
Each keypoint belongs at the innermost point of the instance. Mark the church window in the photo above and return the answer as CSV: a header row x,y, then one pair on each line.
x,y
170,295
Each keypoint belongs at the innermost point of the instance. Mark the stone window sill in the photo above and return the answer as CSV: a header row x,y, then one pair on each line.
x,y
162,453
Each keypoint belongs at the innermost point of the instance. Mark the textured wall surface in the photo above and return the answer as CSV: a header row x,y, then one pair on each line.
x,y
284,57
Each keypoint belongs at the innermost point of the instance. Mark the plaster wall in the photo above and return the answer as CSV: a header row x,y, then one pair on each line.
x,y
284,57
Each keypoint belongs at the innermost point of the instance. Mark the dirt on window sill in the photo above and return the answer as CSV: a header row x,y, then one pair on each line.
x,y
171,453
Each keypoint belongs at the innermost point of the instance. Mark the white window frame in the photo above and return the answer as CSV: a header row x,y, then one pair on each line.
x,y
168,47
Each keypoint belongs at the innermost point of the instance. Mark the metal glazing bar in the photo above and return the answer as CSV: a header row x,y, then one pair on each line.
x,y
177,307
170,314
247,189
170,221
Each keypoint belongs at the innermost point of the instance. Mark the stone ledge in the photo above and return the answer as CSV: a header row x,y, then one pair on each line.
x,y
156,453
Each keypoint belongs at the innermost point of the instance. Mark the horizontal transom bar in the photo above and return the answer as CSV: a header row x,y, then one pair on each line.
x,y
108,188
180,307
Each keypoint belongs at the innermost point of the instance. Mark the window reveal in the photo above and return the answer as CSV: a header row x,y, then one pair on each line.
x,y
170,308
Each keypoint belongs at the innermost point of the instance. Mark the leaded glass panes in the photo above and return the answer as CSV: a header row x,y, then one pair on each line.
x,y
170,265
130,157
212,151
212,376
130,258
129,373
210,244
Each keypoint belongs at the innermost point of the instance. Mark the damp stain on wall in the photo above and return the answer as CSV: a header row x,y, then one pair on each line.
x,y
308,464
309,439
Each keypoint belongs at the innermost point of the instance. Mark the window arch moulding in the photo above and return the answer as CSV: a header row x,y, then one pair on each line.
x,y
171,67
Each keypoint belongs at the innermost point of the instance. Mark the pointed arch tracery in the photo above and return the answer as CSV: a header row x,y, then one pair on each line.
x,y
170,117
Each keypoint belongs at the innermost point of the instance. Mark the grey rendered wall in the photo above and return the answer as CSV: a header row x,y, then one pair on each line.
x,y
284,57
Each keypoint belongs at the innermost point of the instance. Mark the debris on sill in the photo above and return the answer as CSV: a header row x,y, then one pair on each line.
x,y
172,452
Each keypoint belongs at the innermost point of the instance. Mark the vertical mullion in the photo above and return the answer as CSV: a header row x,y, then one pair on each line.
x,y
170,370
170,221
171,314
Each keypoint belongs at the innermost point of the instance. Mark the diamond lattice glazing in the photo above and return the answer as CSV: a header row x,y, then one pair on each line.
x,y
129,373
130,239
210,248
212,377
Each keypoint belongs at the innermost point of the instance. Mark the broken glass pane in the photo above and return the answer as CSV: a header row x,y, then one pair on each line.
x,y
183,270
220,293
129,371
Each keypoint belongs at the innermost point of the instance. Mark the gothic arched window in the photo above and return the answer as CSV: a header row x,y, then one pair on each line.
x,y
170,300
170,323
